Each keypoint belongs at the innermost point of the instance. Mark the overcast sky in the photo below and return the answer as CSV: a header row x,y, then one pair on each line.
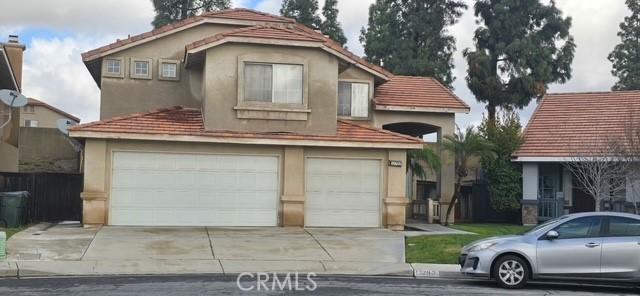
x,y
56,32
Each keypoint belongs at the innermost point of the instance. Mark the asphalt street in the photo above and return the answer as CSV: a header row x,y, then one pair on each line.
x,y
215,285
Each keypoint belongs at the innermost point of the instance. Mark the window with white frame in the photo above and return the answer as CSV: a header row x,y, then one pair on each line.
x,y
114,66
273,83
30,123
140,68
169,70
353,99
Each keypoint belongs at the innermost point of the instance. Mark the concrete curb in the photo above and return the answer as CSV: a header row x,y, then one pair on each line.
x,y
20,269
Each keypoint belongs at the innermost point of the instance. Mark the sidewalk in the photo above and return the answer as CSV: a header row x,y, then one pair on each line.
x,y
70,250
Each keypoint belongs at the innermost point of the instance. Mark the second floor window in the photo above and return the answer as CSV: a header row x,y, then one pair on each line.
x,y
31,123
273,83
353,99
169,70
141,68
113,66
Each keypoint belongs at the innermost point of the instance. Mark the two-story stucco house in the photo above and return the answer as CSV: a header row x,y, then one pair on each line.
x,y
242,118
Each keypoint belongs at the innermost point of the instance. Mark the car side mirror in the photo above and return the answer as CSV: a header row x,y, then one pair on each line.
x,y
552,234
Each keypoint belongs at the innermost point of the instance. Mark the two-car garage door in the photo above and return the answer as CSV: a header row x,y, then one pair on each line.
x,y
179,189
168,189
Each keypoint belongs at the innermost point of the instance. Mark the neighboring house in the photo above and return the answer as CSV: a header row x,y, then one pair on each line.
x,y
255,121
11,54
40,114
24,148
568,127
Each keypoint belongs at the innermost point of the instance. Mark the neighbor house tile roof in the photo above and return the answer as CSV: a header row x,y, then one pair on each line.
x,y
236,13
291,32
421,92
34,102
180,121
578,124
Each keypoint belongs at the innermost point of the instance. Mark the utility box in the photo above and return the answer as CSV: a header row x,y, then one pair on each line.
x,y
3,248
13,208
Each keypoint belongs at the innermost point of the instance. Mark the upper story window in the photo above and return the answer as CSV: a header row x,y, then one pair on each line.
x,y
273,83
141,68
169,70
353,99
29,109
113,67
30,123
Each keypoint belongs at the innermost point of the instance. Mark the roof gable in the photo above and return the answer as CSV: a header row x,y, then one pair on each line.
x,y
573,124
34,102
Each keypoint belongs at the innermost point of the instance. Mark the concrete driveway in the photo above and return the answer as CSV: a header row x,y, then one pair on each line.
x,y
111,249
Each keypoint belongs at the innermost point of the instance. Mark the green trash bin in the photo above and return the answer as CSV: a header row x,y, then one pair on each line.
x,y
13,208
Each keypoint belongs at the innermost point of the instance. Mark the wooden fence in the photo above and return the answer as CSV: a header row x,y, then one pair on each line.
x,y
53,196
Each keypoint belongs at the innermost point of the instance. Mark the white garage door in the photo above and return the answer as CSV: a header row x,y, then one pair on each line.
x,y
343,193
166,189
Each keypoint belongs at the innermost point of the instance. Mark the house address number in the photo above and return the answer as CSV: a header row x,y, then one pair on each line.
x,y
395,163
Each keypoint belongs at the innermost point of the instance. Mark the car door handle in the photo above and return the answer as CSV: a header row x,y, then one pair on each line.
x,y
592,245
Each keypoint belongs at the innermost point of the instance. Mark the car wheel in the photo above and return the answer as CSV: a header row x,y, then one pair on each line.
x,y
511,272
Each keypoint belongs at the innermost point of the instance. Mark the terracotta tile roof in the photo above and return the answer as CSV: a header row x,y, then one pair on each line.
x,y
189,122
236,13
573,124
293,32
34,102
422,92
266,31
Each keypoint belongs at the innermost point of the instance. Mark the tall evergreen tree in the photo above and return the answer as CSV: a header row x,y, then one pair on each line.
x,y
626,55
521,46
303,11
330,26
409,37
169,11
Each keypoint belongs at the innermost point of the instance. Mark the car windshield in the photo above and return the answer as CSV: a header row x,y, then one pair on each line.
x,y
545,224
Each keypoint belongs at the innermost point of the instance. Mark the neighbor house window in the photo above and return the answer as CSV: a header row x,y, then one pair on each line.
x,y
353,99
169,69
31,123
273,83
113,67
29,109
141,68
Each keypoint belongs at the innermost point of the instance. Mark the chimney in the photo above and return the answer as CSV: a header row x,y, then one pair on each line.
x,y
15,52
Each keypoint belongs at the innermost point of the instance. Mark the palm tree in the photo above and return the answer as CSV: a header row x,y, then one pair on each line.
x,y
417,159
464,146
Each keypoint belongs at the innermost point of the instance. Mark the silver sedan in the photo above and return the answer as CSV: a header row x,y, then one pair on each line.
x,y
593,246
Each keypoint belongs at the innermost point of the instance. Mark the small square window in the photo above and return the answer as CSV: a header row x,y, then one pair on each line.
x,y
169,70
140,68
113,66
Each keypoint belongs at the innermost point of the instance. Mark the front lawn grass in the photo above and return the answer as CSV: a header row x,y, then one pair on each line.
x,y
12,231
446,248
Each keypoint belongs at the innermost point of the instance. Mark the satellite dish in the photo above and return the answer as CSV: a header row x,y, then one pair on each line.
x,y
64,124
13,98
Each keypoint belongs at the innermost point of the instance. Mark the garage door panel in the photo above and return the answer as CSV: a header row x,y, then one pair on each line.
x,y
194,189
343,193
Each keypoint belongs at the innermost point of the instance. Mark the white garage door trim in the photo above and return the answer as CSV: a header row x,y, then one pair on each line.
x,y
205,209
321,215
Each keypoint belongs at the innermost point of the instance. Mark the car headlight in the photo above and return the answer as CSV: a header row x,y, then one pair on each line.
x,y
482,246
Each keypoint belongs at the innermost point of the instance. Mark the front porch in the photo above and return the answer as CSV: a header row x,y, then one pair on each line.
x,y
550,190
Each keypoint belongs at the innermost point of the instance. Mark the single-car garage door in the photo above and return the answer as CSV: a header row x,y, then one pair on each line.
x,y
170,189
343,193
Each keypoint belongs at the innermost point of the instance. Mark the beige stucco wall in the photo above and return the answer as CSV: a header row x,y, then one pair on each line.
x,y
123,96
446,123
97,176
46,117
223,82
46,150
9,140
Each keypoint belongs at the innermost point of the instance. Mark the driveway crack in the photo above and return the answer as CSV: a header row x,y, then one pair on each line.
x,y
319,244
91,242
210,243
